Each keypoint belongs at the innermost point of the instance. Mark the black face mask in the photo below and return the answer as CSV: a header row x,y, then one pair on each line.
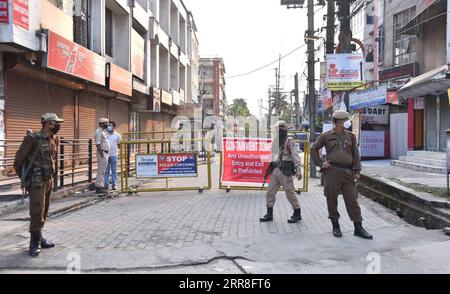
x,y
283,134
104,126
56,129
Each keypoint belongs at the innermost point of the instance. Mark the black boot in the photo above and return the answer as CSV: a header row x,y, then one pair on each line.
x,y
360,232
45,244
336,228
35,246
297,217
268,217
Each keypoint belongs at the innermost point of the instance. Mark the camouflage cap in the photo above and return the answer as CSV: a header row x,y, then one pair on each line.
x,y
341,115
48,117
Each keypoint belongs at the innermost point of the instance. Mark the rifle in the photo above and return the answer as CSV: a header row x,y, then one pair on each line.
x,y
272,166
26,170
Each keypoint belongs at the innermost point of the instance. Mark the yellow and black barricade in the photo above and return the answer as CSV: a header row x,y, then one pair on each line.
x,y
140,165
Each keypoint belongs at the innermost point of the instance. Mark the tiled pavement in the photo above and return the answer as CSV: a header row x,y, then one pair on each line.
x,y
157,229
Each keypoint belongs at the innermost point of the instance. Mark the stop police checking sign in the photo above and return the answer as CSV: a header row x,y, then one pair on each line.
x,y
166,165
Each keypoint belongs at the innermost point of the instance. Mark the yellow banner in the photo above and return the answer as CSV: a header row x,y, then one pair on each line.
x,y
345,86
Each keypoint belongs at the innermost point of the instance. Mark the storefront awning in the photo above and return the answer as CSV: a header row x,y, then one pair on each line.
x,y
435,82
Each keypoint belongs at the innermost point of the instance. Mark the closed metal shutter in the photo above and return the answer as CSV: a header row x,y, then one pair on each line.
x,y
91,108
445,122
430,124
27,100
119,113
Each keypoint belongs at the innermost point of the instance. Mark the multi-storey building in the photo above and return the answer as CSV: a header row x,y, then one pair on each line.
x,y
129,60
212,86
420,34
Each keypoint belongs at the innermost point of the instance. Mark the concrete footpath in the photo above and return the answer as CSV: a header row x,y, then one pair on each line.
x,y
421,198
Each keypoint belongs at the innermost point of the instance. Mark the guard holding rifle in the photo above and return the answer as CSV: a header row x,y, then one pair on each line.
x,y
284,165
34,164
342,172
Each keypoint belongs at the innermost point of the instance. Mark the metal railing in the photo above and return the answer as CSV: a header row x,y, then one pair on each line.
x,y
75,163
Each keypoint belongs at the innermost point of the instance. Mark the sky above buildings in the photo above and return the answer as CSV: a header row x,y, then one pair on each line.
x,y
250,34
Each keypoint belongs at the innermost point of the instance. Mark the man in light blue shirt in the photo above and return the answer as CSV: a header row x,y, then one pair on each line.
x,y
114,139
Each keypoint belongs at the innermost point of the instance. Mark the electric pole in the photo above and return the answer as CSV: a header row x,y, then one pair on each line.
x,y
311,81
330,27
297,103
345,34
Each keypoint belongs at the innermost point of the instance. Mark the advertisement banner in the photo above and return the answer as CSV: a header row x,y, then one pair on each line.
x,y
392,98
166,97
344,71
327,99
4,11
70,58
419,103
370,97
137,54
120,80
175,98
376,115
245,160
175,165
372,144
21,14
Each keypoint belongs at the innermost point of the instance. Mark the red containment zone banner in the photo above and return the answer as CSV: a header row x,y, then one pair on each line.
x,y
245,160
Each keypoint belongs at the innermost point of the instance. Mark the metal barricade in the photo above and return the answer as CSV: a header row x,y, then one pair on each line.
x,y
255,187
149,152
74,164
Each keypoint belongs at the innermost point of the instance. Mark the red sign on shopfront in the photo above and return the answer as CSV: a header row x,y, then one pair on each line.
x,y
4,13
21,14
70,58
120,80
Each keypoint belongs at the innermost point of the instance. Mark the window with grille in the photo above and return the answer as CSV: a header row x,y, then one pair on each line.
x,y
405,46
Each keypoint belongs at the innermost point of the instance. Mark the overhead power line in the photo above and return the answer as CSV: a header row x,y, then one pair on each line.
x,y
267,65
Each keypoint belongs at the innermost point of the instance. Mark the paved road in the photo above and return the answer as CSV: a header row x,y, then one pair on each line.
x,y
219,232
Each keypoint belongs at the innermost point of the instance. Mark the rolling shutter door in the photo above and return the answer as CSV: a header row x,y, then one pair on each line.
x,y
445,122
119,111
91,108
27,100
430,121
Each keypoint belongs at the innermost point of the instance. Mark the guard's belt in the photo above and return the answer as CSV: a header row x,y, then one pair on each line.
x,y
340,165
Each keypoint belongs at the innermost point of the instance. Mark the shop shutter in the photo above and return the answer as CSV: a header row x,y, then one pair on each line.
x,y
91,108
445,122
119,113
27,100
430,121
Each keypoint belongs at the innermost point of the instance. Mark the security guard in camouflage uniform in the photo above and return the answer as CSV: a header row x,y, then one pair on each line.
x,y
286,163
34,164
342,172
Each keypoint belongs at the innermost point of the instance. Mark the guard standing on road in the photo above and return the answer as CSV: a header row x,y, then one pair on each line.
x,y
34,164
342,172
285,164
102,144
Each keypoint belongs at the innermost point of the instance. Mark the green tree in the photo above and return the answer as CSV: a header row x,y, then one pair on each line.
x,y
239,107
280,104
